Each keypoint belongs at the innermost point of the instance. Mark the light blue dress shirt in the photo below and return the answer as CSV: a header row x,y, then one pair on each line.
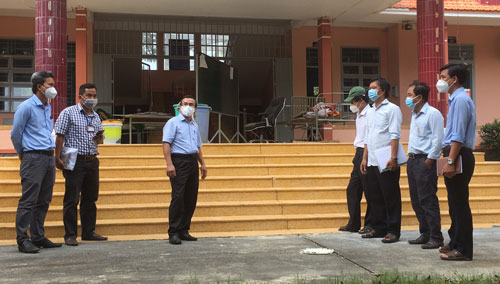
x,y
32,127
426,132
384,125
182,135
461,120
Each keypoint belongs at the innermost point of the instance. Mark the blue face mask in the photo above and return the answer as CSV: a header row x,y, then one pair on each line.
x,y
409,102
373,94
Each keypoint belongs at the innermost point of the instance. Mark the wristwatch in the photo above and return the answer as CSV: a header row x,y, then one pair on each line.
x,y
395,159
450,161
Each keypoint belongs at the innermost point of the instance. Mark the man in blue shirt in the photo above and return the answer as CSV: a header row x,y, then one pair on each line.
x,y
458,141
31,136
383,130
424,148
182,151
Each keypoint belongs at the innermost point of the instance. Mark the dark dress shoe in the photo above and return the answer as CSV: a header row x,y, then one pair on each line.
x,y
71,242
432,244
27,247
46,243
94,237
174,240
187,237
390,238
419,241
348,228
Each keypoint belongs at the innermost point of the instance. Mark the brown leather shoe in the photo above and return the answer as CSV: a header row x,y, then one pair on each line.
x,y
71,242
432,244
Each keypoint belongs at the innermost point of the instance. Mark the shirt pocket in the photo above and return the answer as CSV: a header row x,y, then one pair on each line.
x,y
381,121
422,130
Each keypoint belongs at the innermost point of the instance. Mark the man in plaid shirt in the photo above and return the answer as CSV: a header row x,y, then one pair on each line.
x,y
79,127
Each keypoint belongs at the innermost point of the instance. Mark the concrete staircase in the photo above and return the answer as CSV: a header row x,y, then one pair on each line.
x,y
252,189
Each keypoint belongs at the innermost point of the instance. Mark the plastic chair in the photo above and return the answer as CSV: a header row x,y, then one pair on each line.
x,y
268,122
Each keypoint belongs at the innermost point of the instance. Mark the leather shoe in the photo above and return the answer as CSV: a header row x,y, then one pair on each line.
x,y
27,247
174,240
46,243
187,237
432,244
419,241
94,237
348,228
71,242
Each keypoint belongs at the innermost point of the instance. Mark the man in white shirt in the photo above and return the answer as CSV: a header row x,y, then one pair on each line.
x,y
383,130
357,184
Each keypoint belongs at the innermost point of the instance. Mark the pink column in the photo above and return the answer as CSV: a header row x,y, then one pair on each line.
x,y
50,45
325,66
430,28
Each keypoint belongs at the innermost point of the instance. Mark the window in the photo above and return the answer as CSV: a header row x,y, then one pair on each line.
x,y
149,51
359,67
312,70
71,73
17,63
215,45
179,51
462,53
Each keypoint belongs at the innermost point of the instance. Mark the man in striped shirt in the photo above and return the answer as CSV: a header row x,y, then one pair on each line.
x,y
79,127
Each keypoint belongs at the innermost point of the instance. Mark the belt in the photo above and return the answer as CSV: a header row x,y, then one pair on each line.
x,y
417,156
184,155
41,152
462,149
85,158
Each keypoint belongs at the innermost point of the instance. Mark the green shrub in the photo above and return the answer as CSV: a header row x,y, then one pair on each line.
x,y
490,134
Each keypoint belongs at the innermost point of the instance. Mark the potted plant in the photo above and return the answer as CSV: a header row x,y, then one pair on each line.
x,y
490,134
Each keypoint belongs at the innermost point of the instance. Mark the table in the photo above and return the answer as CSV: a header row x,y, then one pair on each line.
x,y
144,118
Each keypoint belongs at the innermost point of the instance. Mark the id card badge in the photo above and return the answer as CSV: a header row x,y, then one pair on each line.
x,y
90,128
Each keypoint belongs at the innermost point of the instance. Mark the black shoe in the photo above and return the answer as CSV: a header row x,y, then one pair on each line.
x,y
27,247
46,243
419,241
174,240
390,238
187,237
348,228
71,242
432,244
94,237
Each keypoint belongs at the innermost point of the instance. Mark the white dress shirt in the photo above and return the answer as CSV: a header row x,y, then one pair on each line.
x,y
426,132
361,119
384,125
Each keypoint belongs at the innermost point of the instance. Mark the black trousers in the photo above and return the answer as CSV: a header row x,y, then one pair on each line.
x,y
355,189
38,174
385,197
81,183
184,193
425,203
460,231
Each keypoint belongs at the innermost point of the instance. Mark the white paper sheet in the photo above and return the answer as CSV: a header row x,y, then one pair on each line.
x,y
383,155
68,156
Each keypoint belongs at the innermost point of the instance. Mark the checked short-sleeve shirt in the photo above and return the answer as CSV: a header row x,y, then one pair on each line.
x,y
72,123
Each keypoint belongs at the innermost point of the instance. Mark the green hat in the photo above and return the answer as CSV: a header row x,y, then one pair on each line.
x,y
354,92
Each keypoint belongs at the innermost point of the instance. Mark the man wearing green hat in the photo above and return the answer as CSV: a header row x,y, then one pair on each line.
x,y
357,184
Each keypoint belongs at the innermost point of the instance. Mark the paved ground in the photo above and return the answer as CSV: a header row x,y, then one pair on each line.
x,y
255,259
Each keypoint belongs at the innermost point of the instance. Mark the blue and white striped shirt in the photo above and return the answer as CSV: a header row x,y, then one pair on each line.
x,y
72,123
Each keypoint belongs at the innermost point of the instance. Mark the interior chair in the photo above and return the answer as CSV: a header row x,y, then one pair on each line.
x,y
265,127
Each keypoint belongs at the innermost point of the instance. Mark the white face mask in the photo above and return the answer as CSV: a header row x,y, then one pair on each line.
x,y
442,86
187,111
50,93
354,108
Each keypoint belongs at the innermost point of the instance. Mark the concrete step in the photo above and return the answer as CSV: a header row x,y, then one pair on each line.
x,y
237,208
233,223
140,196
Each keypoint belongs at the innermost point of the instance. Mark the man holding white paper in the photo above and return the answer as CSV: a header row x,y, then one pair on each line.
x,y
424,148
384,129
80,127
